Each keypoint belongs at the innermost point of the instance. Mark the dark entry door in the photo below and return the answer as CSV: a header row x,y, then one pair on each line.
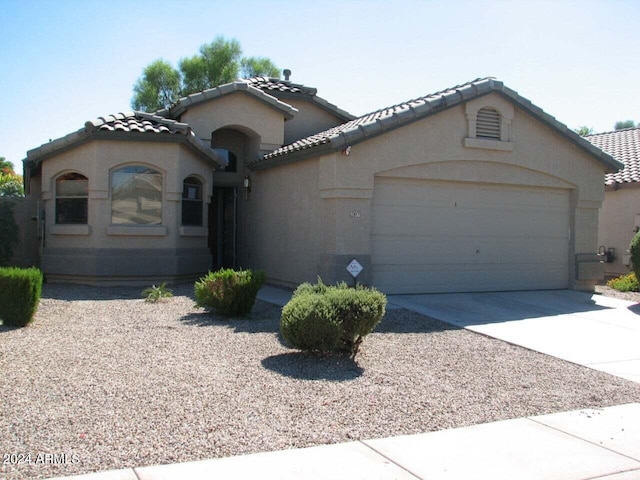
x,y
223,213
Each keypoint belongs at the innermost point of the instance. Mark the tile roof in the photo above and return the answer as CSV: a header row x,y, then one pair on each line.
x,y
136,125
623,145
184,103
386,119
276,85
286,89
137,122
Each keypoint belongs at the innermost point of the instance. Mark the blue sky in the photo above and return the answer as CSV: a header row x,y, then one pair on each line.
x,y
64,62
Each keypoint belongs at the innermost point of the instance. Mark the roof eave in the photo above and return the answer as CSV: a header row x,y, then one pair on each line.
x,y
448,100
183,104
294,156
37,155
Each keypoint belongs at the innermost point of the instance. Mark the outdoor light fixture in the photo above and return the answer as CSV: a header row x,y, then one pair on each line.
x,y
247,187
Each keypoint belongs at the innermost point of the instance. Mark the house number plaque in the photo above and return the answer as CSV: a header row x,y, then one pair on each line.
x,y
354,268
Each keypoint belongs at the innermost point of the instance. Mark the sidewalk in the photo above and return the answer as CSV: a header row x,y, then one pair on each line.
x,y
578,445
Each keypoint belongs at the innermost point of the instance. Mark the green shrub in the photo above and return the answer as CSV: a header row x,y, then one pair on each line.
x,y
634,250
20,290
229,292
331,318
8,231
625,283
155,293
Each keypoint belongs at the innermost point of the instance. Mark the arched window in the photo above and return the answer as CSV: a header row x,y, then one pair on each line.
x,y
72,199
228,158
136,196
192,201
488,123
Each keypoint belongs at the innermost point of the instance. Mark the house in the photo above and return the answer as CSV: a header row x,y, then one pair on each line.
x,y
472,188
620,212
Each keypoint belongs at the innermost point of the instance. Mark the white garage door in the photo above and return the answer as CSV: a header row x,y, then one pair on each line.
x,y
435,236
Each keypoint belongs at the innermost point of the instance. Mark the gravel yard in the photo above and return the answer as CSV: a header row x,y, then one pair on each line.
x,y
115,382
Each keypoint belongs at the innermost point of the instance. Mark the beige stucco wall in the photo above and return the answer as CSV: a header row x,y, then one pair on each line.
x,y
105,250
309,120
240,111
283,223
619,215
432,148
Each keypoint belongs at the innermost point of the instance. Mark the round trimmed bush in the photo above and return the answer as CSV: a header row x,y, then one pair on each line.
x,y
331,318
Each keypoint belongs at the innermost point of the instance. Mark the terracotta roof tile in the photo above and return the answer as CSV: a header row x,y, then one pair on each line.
x,y
276,85
127,124
380,119
377,122
623,145
137,122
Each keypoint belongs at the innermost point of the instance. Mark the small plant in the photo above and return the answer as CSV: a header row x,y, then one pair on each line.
x,y
20,290
155,293
331,318
229,292
625,283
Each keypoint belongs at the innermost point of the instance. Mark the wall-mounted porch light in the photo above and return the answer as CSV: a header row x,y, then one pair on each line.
x,y
247,187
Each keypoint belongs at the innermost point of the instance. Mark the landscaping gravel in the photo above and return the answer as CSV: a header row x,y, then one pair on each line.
x,y
104,380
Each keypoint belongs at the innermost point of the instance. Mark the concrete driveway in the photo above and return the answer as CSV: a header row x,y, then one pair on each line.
x,y
599,332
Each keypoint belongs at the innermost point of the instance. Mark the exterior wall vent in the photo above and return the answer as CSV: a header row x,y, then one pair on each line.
x,y
488,124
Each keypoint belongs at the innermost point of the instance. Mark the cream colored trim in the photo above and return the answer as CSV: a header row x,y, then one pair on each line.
x,y
139,231
193,231
488,144
69,229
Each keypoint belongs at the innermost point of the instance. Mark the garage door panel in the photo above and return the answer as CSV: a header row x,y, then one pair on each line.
x,y
407,250
438,221
442,278
452,236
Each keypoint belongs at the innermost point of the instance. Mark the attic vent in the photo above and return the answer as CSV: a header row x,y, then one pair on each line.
x,y
488,124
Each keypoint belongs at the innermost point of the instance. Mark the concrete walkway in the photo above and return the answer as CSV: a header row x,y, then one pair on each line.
x,y
578,445
589,444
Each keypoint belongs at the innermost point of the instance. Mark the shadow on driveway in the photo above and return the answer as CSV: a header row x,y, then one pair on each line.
x,y
467,309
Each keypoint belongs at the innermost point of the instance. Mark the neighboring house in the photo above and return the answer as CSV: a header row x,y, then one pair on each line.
x,y
620,212
472,188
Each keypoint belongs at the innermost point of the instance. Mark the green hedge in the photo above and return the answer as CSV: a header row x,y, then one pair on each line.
x,y
229,292
331,318
20,290
8,231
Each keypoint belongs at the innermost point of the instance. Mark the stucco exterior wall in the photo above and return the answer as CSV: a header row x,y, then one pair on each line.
x,y
284,230
619,215
434,148
241,111
309,120
102,252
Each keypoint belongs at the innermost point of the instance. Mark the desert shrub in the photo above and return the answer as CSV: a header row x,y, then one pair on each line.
x,y
20,290
625,283
155,293
634,250
331,318
229,292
